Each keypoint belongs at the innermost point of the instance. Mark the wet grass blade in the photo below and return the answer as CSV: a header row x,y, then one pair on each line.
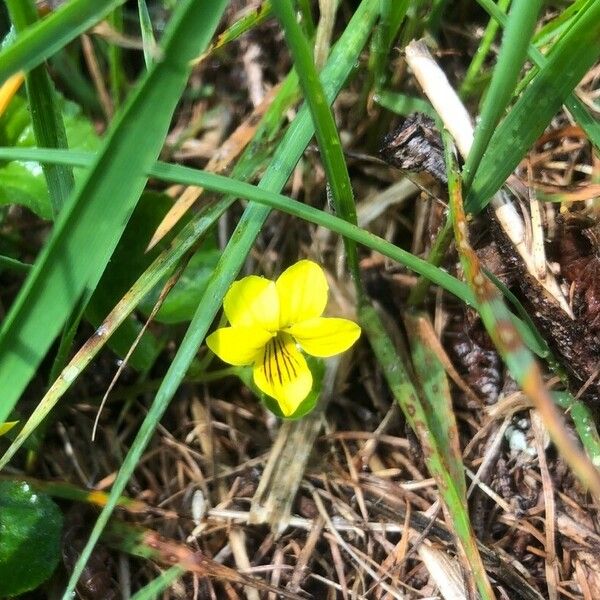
x,y
343,58
43,39
92,222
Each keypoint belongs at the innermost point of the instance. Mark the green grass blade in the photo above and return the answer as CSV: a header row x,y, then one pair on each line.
x,y
585,120
250,20
392,15
515,42
341,62
497,320
401,104
475,68
569,60
554,26
584,422
326,131
46,117
91,224
40,41
451,489
221,184
436,399
148,40
6,262
160,584
161,268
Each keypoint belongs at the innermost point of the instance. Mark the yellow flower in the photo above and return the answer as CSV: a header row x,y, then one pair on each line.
x,y
270,320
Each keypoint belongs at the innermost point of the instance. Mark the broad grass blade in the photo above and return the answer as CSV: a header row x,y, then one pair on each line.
x,y
91,224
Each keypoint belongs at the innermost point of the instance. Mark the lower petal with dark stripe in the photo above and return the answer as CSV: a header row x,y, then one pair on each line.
x,y
282,373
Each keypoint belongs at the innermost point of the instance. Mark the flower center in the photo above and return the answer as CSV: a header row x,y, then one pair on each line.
x,y
279,364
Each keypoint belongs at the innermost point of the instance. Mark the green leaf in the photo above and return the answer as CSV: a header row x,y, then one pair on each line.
x,y
128,262
23,182
181,303
30,530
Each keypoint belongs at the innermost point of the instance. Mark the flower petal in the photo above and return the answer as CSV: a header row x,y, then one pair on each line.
x,y
302,290
282,373
325,337
252,302
238,345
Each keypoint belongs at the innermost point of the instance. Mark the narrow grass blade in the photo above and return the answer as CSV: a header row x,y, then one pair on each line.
x,y
341,62
392,15
326,131
437,406
515,42
46,117
148,40
160,584
588,123
497,320
91,224
553,27
6,262
401,104
40,41
584,424
569,60
440,452
258,195
475,68
161,268
436,399
249,21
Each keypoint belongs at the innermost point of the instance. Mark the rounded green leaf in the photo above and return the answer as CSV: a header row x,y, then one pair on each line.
x,y
30,530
